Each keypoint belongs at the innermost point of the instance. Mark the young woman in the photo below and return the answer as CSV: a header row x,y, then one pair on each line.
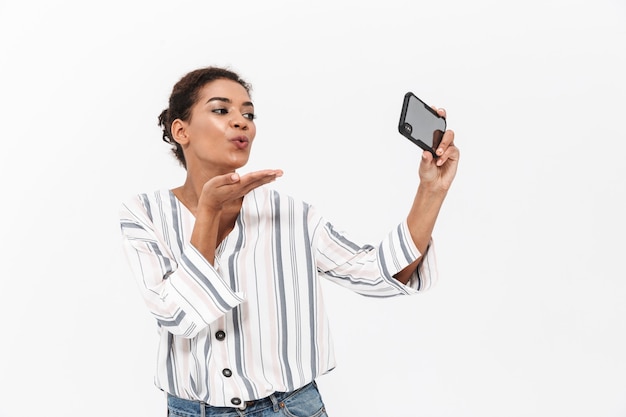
x,y
230,268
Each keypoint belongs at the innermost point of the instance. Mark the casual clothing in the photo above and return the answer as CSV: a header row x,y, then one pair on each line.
x,y
305,401
254,322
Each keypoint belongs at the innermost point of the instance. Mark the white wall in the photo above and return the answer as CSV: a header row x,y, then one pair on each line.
x,y
529,318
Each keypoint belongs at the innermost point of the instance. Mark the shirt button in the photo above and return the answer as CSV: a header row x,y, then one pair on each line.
x,y
235,401
227,372
220,335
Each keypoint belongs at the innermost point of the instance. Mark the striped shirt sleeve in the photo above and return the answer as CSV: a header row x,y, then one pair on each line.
x,y
183,295
369,270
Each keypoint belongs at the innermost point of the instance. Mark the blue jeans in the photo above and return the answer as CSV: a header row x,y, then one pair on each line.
x,y
303,402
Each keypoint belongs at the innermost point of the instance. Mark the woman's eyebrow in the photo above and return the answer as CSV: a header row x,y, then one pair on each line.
x,y
229,101
226,100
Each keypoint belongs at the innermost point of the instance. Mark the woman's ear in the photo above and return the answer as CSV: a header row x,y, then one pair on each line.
x,y
179,131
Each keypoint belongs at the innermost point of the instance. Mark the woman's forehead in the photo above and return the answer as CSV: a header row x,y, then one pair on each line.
x,y
224,88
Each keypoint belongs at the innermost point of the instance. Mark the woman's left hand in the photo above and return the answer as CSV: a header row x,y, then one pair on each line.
x,y
440,172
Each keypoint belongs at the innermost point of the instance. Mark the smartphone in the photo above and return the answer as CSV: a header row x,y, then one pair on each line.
x,y
420,124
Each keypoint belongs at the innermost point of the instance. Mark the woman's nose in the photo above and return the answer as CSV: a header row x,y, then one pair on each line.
x,y
238,121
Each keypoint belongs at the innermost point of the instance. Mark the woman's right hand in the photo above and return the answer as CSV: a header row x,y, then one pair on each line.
x,y
221,190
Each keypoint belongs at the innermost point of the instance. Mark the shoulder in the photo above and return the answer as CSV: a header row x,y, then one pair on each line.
x,y
149,201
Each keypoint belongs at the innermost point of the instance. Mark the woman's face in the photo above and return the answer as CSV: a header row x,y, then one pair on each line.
x,y
221,128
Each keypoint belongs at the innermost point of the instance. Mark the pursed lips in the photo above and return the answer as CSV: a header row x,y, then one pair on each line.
x,y
240,142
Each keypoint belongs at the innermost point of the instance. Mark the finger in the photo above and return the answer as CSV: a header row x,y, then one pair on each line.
x,y
234,178
222,180
427,156
446,140
256,184
256,179
441,112
260,175
452,152
260,181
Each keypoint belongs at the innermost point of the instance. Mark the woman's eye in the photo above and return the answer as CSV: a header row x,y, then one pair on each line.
x,y
220,111
249,116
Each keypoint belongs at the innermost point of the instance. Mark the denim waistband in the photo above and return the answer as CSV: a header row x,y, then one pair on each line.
x,y
202,409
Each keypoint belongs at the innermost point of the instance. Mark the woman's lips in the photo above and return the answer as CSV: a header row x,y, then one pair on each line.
x,y
241,142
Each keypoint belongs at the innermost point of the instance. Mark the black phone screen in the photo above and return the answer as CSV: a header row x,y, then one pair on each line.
x,y
421,124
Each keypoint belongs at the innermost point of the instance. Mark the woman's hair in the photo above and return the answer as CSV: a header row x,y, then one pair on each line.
x,y
185,95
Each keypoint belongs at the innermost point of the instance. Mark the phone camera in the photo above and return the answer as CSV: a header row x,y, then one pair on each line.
x,y
407,128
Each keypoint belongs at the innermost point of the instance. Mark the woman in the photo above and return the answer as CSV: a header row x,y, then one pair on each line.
x,y
230,269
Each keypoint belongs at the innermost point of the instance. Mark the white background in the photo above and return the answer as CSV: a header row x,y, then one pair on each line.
x,y
529,318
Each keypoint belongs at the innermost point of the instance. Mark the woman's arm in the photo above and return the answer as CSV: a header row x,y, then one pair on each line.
x,y
436,176
181,289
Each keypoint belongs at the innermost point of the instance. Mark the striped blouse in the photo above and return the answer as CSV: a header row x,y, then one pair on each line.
x,y
254,322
